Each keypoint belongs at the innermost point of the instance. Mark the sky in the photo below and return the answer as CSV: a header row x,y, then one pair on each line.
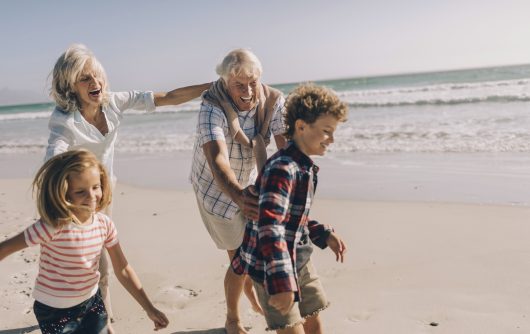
x,y
161,45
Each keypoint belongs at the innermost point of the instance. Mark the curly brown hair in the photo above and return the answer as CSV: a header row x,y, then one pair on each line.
x,y
308,102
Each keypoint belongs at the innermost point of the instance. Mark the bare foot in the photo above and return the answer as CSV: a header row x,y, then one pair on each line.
x,y
250,292
234,327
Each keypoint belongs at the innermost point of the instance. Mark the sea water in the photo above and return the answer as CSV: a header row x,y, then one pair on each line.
x,y
419,135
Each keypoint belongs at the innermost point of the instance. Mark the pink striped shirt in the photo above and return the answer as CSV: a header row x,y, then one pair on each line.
x,y
69,259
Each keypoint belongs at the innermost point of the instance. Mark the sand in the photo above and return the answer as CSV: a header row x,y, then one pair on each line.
x,y
409,266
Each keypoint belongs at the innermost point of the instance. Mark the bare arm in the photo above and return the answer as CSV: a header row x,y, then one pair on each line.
x,y
217,156
127,277
12,245
180,95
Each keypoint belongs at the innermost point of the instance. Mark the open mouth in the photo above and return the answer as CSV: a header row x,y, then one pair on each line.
x,y
95,92
246,99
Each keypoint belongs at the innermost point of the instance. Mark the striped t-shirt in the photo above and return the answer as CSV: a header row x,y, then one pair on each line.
x,y
69,259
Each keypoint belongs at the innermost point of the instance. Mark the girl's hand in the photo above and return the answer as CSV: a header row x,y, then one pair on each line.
x,y
158,317
282,301
338,246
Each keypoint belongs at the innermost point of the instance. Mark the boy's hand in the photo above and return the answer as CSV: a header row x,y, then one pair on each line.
x,y
159,318
338,246
282,301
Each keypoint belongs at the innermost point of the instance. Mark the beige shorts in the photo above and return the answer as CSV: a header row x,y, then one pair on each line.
x,y
312,302
226,233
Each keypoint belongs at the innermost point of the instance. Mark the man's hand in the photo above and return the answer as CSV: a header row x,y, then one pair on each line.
x,y
338,246
282,301
248,203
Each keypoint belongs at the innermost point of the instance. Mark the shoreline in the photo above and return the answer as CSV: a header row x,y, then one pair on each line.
x,y
486,179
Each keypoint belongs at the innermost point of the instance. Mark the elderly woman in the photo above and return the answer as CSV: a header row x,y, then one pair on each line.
x,y
237,119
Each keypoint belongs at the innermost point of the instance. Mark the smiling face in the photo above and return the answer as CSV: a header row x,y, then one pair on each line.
x,y
242,90
314,139
89,87
85,192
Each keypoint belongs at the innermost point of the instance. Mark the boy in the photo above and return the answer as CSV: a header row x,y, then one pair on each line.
x,y
276,249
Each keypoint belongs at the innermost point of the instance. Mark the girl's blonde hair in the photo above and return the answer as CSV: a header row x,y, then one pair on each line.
x,y
66,73
51,184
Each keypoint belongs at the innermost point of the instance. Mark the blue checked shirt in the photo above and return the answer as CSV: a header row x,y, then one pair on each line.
x,y
271,247
212,125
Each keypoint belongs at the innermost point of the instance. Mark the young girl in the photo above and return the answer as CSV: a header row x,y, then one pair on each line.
x,y
88,116
71,189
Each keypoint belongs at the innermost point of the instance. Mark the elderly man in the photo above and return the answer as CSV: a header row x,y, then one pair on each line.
x,y
237,119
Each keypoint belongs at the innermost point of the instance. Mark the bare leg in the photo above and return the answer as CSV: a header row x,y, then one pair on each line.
x,y
233,288
313,325
250,292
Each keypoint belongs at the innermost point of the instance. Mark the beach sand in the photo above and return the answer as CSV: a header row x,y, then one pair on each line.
x,y
409,266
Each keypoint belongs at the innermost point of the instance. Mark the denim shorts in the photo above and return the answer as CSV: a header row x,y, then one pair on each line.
x,y
313,300
89,317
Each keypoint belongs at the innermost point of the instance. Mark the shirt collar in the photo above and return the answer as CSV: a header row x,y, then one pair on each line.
x,y
301,157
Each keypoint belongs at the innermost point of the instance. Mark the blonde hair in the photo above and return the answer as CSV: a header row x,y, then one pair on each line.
x,y
51,184
308,102
239,61
66,73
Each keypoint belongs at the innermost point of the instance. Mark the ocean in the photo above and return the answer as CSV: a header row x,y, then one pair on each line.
x,y
473,124
476,110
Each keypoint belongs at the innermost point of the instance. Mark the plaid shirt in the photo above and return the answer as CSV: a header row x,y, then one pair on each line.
x,y
269,249
212,125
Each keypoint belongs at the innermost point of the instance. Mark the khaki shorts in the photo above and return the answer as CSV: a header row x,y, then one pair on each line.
x,y
313,301
226,233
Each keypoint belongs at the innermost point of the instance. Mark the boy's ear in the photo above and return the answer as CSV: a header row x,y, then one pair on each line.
x,y
299,125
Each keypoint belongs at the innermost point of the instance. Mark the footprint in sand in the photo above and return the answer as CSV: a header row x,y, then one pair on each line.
x,y
360,316
175,297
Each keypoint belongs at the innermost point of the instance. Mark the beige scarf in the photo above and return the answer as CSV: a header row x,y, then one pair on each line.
x,y
268,96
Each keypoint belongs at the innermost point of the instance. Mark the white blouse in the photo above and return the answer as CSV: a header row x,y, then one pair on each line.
x,y
70,130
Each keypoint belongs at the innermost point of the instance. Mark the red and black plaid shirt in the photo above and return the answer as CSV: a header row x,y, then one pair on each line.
x,y
268,252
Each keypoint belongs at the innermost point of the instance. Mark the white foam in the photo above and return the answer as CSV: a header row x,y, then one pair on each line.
x,y
23,116
453,93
